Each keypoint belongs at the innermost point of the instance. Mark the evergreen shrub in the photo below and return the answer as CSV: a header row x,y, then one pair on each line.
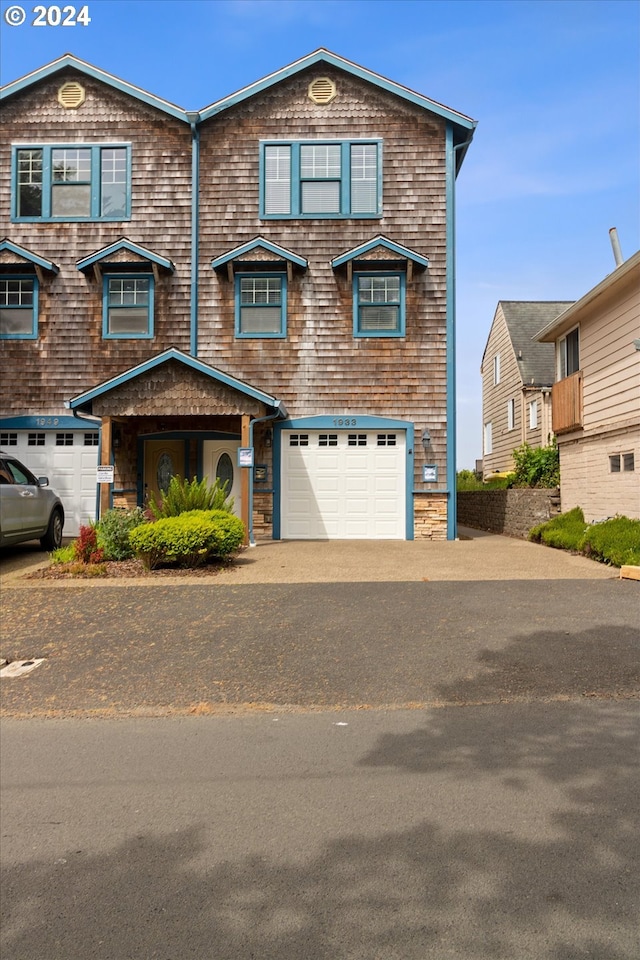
x,y
187,540
113,531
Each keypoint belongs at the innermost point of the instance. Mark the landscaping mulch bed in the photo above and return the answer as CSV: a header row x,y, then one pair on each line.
x,y
131,569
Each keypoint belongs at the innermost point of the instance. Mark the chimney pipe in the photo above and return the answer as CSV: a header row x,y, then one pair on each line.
x,y
615,243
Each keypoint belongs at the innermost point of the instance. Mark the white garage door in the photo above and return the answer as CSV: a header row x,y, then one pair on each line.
x,y
343,485
69,458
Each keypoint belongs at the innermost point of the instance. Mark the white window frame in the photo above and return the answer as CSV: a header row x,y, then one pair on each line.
x,y
496,370
533,415
511,414
488,438
563,354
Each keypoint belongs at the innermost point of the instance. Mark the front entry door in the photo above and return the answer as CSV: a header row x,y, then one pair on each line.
x,y
220,462
163,459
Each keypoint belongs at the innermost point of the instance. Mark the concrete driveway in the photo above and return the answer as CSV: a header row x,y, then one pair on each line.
x,y
476,555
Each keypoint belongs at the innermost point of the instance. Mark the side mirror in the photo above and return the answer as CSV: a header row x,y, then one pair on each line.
x,y
43,481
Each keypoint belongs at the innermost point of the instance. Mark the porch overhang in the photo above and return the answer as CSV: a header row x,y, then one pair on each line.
x,y
192,388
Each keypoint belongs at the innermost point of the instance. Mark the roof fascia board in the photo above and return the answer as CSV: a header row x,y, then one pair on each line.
x,y
68,60
28,255
568,318
380,241
325,56
253,245
171,354
132,248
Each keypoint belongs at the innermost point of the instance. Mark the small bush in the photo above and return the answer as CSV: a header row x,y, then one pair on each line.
x,y
536,466
615,541
189,539
113,531
63,554
183,496
86,545
565,531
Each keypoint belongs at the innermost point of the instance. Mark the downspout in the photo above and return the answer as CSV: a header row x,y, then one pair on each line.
x,y
452,512
193,119
280,412
98,422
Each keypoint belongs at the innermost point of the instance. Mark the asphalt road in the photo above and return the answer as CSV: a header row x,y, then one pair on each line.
x,y
505,831
355,771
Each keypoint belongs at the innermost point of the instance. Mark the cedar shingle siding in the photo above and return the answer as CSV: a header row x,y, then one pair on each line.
x,y
319,368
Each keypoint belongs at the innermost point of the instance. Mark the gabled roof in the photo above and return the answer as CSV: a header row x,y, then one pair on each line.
x,y
68,60
524,318
356,252
23,254
558,325
256,244
463,125
140,253
84,400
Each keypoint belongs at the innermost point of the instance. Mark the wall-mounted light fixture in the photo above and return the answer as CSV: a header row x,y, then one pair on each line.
x,y
268,438
426,440
116,439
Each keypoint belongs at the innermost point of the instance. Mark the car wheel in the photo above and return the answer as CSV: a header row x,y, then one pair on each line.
x,y
53,537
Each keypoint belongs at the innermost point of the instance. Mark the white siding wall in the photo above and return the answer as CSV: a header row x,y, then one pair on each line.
x,y
610,362
588,483
495,397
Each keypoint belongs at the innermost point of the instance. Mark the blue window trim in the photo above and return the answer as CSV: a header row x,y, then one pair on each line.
x,y
105,306
96,169
33,335
282,333
345,180
400,332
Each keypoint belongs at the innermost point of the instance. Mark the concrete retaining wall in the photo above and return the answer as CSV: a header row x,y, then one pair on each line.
x,y
512,512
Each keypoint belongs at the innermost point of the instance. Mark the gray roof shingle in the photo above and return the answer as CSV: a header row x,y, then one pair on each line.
x,y
524,319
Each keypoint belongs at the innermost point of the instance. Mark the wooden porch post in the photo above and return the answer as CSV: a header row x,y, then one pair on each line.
x,y
105,460
245,479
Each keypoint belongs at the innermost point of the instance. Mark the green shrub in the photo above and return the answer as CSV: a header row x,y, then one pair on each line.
x,y
565,531
615,541
183,496
187,540
467,480
113,531
64,554
536,466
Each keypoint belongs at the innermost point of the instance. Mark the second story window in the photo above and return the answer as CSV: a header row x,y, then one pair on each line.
x,y
18,308
569,354
321,179
261,305
378,305
74,182
128,307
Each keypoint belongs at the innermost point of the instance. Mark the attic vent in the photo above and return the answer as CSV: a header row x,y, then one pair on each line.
x,y
322,90
71,95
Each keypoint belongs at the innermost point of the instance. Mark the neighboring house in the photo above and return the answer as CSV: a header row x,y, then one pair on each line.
x,y
270,276
517,375
596,401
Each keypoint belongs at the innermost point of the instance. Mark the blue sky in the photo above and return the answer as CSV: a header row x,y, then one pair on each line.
x,y
553,84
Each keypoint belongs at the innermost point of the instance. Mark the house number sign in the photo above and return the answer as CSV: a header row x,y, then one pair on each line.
x,y
345,421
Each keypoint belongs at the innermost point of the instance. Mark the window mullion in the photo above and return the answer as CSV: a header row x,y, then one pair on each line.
x,y
47,184
345,178
96,167
296,186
